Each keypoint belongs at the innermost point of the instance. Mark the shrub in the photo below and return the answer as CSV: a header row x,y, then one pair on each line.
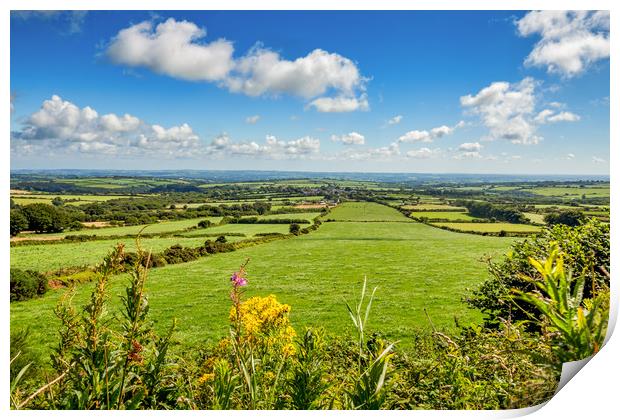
x,y
211,247
205,224
567,217
586,252
294,229
221,239
27,284
179,254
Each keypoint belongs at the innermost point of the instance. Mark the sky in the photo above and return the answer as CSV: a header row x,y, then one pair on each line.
x,y
418,91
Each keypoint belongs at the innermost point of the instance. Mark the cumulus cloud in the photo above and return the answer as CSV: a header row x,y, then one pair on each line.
x,y
470,147
468,155
272,148
564,116
506,110
252,119
549,116
422,153
61,125
395,120
570,156
570,40
424,136
351,138
170,48
177,49
340,104
596,159
379,153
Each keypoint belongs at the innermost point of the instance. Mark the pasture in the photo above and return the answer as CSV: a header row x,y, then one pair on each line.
x,y
489,227
415,267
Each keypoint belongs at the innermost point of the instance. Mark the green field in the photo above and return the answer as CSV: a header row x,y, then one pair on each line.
x,y
415,266
247,229
24,199
535,217
365,212
48,257
490,227
431,207
162,227
447,215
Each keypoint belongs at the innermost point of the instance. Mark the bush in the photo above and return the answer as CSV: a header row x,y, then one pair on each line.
x,y
221,239
204,224
294,229
567,217
179,254
585,249
26,284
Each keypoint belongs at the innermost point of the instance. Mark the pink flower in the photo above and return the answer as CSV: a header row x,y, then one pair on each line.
x,y
238,281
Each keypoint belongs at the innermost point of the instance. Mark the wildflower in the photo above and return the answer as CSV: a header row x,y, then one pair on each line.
x,y
238,281
206,378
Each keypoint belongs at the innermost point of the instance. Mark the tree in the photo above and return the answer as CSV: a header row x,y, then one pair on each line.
x,y
57,201
294,229
566,217
44,218
18,222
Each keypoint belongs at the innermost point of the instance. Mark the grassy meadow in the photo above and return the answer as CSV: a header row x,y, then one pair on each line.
x,y
416,267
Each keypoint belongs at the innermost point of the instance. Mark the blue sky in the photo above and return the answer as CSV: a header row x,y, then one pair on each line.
x,y
477,92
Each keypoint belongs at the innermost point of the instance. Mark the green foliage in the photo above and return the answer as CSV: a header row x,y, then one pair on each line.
x,y
586,250
566,217
27,284
579,325
373,361
19,222
99,368
306,381
486,210
45,218
294,229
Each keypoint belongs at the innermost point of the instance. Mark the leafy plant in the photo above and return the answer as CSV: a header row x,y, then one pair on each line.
x,y
369,389
579,324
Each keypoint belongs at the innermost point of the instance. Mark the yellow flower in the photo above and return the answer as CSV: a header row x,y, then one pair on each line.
x,y
205,378
265,323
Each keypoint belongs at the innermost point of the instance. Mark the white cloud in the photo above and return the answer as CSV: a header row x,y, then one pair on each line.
x,y
340,104
380,153
74,19
61,125
171,49
177,49
395,120
272,148
596,159
468,155
570,156
416,136
252,119
424,136
549,116
570,40
470,147
422,153
506,110
351,138
564,116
